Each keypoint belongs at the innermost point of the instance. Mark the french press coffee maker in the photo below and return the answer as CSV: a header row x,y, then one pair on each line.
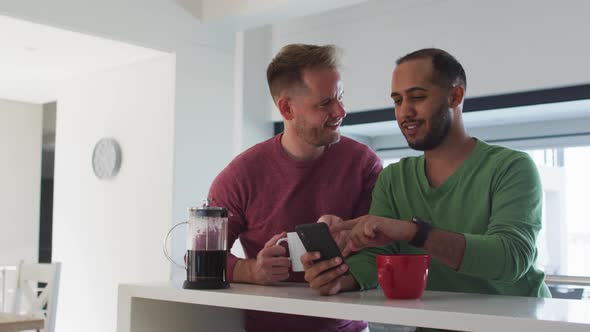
x,y
206,247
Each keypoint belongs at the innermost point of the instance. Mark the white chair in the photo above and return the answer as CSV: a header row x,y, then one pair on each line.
x,y
8,280
31,298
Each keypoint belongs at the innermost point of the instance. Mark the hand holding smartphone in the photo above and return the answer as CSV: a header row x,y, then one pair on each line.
x,y
317,237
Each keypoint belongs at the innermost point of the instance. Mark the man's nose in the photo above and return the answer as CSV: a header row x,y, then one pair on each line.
x,y
339,111
405,110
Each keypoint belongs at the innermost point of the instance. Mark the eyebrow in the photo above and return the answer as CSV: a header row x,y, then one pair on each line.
x,y
416,88
326,99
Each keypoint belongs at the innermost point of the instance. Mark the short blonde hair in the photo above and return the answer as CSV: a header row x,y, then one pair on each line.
x,y
286,69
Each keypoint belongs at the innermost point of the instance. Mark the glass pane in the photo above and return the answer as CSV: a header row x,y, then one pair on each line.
x,y
564,242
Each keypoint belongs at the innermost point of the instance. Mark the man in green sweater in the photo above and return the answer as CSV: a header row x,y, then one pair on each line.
x,y
474,208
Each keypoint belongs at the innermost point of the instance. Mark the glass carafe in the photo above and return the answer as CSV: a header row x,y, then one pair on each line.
x,y
206,248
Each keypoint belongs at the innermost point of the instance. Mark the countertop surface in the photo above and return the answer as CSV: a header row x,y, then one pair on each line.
x,y
460,311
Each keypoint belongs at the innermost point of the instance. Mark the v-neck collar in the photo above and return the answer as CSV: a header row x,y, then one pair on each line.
x,y
453,179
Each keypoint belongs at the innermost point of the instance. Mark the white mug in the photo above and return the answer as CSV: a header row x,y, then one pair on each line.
x,y
296,250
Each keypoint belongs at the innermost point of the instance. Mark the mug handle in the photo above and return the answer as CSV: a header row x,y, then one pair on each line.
x,y
281,240
165,247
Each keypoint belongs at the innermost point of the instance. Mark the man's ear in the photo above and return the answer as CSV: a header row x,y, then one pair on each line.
x,y
456,95
284,105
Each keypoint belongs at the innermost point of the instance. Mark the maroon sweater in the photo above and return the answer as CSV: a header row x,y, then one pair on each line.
x,y
267,193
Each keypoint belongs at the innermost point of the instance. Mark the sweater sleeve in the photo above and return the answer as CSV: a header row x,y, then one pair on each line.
x,y
225,192
507,249
363,265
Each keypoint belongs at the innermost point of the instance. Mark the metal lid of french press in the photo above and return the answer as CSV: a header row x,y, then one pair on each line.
x,y
209,211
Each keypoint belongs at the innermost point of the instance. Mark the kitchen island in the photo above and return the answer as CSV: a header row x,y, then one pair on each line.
x,y
165,306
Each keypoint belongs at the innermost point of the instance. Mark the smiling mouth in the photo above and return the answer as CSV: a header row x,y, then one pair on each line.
x,y
334,124
411,127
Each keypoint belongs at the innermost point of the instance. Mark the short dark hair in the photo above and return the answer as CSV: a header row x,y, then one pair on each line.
x,y
286,69
448,71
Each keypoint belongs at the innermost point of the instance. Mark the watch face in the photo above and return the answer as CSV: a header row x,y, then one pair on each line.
x,y
106,158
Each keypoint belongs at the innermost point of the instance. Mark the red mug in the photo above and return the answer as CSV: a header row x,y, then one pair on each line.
x,y
403,276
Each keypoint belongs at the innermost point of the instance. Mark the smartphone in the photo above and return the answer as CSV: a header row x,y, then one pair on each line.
x,y
317,237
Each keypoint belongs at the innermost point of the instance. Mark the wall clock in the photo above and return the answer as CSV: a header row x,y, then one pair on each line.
x,y
106,158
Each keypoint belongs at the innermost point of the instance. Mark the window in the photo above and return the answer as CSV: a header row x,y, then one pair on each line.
x,y
564,242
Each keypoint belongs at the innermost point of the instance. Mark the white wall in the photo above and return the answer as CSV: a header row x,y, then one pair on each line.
x,y
203,130
252,123
203,110
109,231
505,46
21,128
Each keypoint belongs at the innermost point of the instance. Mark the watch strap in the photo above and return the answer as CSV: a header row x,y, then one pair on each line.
x,y
421,236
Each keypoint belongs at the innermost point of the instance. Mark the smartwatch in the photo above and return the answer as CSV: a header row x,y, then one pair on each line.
x,y
424,228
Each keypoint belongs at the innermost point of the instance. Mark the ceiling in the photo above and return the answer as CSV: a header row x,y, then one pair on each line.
x,y
244,14
34,57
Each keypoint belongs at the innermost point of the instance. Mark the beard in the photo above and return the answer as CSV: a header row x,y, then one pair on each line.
x,y
440,123
316,136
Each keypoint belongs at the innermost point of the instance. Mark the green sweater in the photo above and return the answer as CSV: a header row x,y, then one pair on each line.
x,y
493,198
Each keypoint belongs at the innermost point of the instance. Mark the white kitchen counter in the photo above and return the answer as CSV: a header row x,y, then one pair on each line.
x,y
167,307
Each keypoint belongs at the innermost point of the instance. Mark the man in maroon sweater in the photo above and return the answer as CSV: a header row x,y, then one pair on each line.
x,y
305,172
